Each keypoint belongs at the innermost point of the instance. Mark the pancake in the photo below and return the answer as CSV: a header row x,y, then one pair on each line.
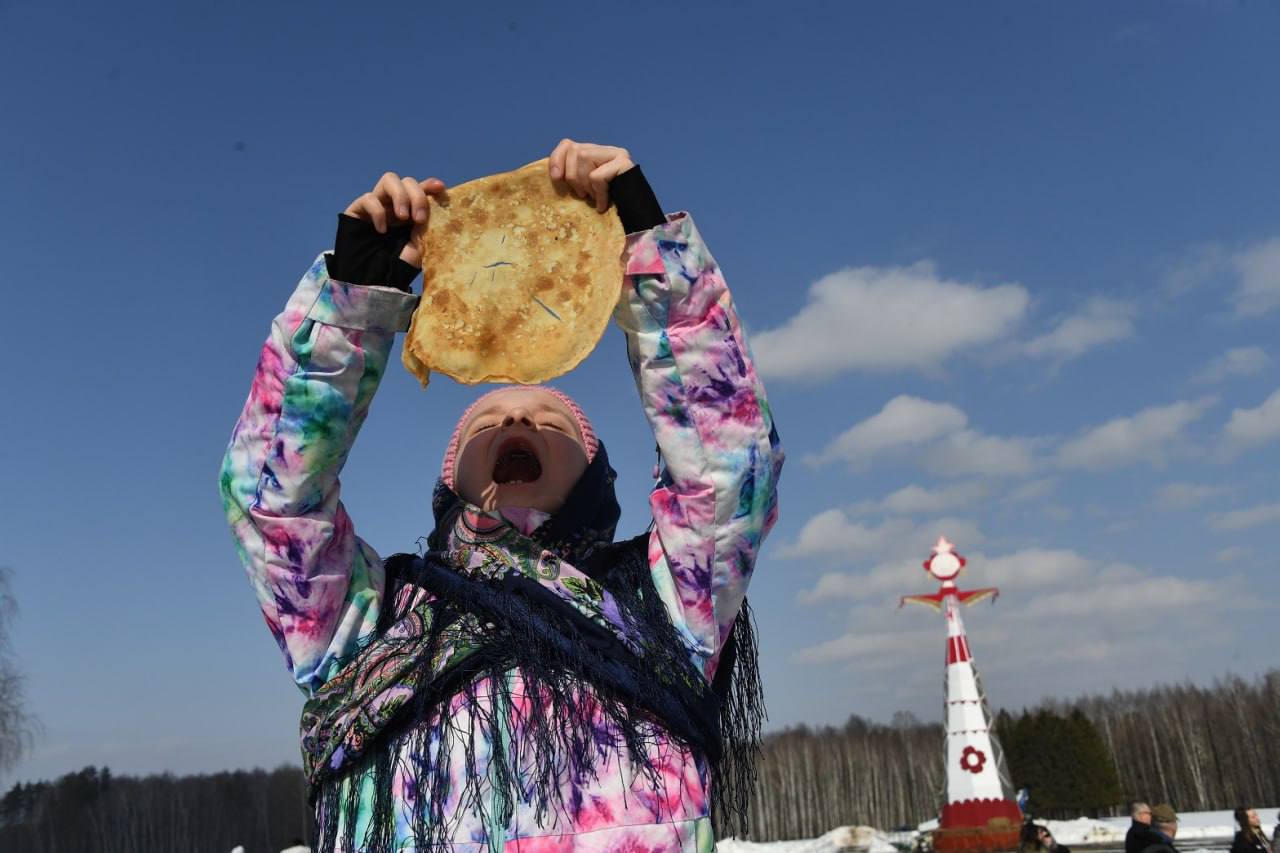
x,y
519,280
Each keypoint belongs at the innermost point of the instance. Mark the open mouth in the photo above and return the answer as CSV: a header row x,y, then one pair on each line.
x,y
517,463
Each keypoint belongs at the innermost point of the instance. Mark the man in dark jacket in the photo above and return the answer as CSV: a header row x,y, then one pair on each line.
x,y
1139,837
1164,826
1250,838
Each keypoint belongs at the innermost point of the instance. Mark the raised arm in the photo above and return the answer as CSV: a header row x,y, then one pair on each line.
x,y
319,585
716,498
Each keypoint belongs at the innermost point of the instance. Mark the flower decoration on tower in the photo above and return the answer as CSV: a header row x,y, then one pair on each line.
x,y
973,759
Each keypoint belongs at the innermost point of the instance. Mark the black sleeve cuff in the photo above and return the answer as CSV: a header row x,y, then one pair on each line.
x,y
637,205
363,256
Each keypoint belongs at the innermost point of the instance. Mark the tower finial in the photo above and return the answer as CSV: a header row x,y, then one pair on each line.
x,y
945,563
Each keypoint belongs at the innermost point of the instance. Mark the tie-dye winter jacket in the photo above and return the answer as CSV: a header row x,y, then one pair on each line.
x,y
320,585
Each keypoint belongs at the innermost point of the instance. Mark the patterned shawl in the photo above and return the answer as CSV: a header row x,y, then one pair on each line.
x,y
566,606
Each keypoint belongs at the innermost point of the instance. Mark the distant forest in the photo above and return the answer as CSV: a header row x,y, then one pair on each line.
x,y
1197,748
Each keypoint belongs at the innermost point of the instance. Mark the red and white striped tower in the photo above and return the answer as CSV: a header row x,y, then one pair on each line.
x,y
980,814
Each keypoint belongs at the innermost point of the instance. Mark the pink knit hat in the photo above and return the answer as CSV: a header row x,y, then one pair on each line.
x,y
589,440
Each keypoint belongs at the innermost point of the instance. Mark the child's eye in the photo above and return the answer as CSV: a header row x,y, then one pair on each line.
x,y
483,427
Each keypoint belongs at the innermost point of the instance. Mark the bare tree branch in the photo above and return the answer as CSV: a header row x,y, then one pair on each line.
x,y
18,728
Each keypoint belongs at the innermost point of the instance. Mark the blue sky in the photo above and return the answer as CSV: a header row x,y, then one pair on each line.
x,y
1012,274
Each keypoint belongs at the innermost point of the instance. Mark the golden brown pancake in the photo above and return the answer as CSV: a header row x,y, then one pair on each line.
x,y
519,279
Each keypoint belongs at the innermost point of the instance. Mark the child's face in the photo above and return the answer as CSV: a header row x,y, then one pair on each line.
x,y
520,447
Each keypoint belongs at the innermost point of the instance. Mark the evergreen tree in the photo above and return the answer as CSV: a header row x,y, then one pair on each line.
x,y
1098,786
1063,760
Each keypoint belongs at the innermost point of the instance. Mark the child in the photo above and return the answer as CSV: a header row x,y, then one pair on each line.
x,y
528,683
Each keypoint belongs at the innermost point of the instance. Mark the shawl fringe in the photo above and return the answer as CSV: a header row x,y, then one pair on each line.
x,y
437,676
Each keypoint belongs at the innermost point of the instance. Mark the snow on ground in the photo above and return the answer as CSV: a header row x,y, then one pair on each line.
x,y
844,838
1194,828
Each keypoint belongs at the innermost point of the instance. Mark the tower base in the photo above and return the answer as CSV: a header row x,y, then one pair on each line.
x,y
978,826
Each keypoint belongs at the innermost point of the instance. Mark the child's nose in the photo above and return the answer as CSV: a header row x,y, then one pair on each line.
x,y
517,416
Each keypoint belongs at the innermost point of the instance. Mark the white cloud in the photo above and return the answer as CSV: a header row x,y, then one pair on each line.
x,y
852,646
1253,273
1239,361
835,533
1243,519
1117,600
1232,554
1201,265
882,581
1032,490
918,500
1147,436
1258,288
938,431
1034,567
1180,496
832,585
1252,427
904,420
886,318
966,453
1099,321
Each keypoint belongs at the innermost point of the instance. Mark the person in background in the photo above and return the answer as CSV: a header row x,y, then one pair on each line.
x,y
1164,826
1139,837
1048,842
1250,838
1029,841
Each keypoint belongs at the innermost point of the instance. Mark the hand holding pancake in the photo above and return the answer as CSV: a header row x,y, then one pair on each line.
x,y
588,168
520,278
395,200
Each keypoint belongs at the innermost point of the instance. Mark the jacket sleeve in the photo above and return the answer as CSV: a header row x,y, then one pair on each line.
x,y
716,496
319,585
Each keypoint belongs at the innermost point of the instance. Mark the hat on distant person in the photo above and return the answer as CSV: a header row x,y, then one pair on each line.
x,y
1164,813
